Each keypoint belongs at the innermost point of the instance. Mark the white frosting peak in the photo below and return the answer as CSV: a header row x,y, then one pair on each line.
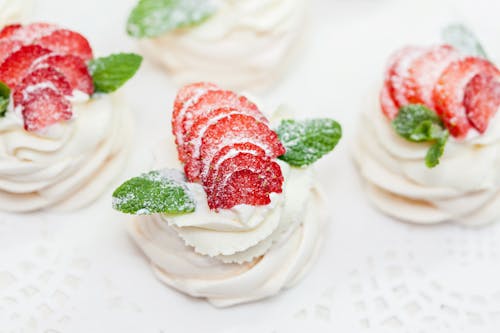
x,y
246,44
463,188
66,165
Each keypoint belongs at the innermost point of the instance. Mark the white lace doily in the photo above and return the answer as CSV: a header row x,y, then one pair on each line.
x,y
81,273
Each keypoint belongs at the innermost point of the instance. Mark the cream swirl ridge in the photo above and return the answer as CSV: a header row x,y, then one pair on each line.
x,y
250,262
246,44
69,164
463,188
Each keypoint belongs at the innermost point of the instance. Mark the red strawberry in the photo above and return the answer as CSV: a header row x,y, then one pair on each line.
x,y
448,93
28,33
67,42
234,129
188,95
425,71
244,179
212,104
242,187
18,64
210,170
7,47
9,30
482,100
389,108
41,77
73,68
398,72
194,138
44,107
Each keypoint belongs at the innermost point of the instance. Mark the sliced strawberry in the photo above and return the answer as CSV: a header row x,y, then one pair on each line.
x,y
9,30
43,77
44,107
398,73
239,189
389,108
188,95
449,91
7,47
73,68
28,33
244,179
18,64
234,129
211,107
67,42
425,71
482,100
210,171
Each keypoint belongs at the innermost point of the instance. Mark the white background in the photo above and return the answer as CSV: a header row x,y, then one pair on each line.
x,y
81,273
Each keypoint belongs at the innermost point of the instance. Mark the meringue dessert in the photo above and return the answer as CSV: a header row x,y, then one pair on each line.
x,y
63,138
212,40
14,11
430,148
245,219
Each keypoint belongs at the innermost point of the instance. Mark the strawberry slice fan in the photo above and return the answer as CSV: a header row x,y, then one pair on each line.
x,y
464,91
43,65
226,143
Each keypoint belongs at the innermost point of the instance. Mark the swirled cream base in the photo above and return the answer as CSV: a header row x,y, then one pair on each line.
x,y
239,255
14,11
70,165
247,44
463,188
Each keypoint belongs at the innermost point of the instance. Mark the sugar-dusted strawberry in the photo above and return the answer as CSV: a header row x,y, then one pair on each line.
x,y
397,74
28,33
244,179
43,77
44,107
425,71
211,107
482,100
449,91
67,42
233,129
73,68
7,47
210,170
18,64
389,107
188,95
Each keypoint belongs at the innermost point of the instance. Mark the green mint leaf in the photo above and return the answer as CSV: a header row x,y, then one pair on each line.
x,y
152,18
4,98
417,123
307,141
110,73
463,39
436,151
155,192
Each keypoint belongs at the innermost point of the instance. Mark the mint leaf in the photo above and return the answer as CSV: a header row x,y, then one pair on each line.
x,y
463,39
308,140
152,18
162,191
4,98
110,73
436,151
417,123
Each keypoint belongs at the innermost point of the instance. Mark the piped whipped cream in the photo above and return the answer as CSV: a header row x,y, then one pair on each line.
x,y
245,45
67,165
241,254
14,11
464,188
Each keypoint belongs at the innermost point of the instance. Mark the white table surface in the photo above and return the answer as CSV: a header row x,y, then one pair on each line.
x,y
81,273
